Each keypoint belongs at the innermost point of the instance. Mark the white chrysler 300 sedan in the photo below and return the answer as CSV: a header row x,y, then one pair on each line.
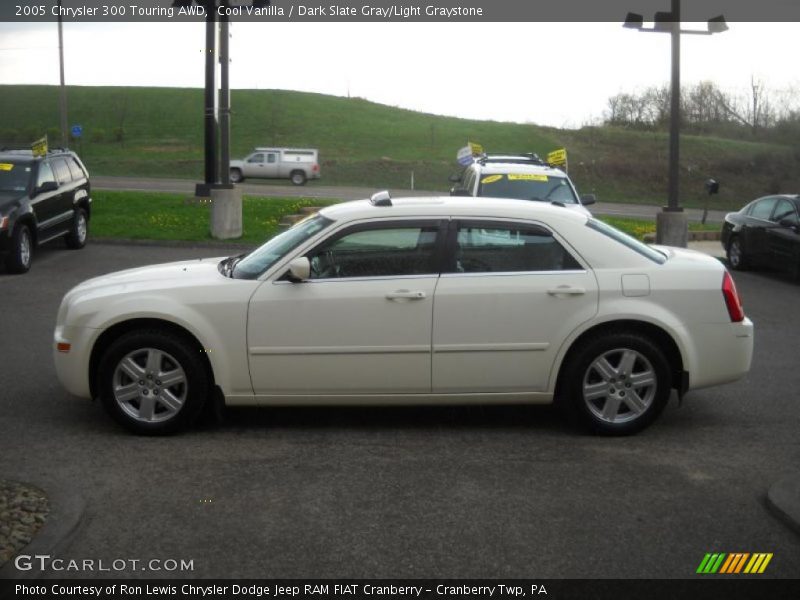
x,y
411,301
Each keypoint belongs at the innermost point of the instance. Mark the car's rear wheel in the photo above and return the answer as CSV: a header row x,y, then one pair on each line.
x,y
153,382
617,384
79,232
298,178
236,176
735,253
20,253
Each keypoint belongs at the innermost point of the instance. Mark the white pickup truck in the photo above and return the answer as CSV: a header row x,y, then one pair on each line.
x,y
296,164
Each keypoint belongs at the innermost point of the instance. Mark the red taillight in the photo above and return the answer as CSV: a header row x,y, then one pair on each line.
x,y
732,301
315,168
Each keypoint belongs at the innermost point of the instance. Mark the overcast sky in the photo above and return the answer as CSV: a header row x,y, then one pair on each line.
x,y
557,74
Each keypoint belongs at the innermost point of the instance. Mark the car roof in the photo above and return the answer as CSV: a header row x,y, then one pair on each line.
x,y
496,167
23,155
453,206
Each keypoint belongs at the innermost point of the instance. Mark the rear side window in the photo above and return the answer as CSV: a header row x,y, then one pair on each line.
x,y
500,248
61,171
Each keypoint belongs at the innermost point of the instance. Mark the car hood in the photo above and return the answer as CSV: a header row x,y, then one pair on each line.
x,y
175,274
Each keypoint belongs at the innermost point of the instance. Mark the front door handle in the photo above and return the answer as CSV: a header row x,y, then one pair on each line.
x,y
567,290
406,295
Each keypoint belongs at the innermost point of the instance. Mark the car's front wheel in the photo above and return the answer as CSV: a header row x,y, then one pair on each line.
x,y
79,232
19,256
236,176
153,382
736,256
617,384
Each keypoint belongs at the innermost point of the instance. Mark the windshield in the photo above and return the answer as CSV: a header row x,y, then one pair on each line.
x,y
627,240
262,258
528,186
14,177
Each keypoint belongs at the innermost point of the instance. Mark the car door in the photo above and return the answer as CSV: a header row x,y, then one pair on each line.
x,y
754,231
783,239
254,165
272,165
511,294
46,205
361,324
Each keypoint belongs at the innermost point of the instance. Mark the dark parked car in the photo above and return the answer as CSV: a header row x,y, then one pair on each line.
x,y
41,198
766,233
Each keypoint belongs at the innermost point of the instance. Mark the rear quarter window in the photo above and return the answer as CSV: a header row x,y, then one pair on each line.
x,y
627,241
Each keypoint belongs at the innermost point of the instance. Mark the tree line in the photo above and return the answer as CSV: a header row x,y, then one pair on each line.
x,y
759,112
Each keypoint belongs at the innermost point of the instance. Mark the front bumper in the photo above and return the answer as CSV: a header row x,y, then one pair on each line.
x,y
72,367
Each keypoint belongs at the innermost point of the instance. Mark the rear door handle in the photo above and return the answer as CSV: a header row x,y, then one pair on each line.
x,y
406,295
566,290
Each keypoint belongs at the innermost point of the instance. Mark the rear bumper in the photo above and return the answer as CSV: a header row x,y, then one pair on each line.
x,y
721,354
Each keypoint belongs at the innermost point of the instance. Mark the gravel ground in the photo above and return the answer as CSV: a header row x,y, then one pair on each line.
x,y
23,511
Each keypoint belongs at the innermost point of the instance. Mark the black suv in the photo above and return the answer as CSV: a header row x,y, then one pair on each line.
x,y
41,198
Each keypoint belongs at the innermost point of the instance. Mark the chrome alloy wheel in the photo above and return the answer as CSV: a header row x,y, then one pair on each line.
x,y
80,228
25,248
149,385
619,386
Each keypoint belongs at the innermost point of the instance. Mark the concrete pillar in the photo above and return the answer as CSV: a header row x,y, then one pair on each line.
x,y
226,213
672,228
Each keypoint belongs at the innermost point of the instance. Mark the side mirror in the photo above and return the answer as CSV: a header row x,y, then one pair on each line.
x,y
788,223
588,199
454,178
47,186
299,269
460,192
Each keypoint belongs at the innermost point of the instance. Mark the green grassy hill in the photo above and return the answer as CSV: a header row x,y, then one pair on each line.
x,y
159,132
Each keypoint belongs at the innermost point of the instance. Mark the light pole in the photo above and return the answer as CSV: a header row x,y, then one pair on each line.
x,y
671,222
62,90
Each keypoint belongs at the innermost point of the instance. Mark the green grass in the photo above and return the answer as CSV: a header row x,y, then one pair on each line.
x,y
163,216
368,144
638,228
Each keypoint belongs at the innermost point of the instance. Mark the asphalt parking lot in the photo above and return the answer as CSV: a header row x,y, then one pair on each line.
x,y
406,492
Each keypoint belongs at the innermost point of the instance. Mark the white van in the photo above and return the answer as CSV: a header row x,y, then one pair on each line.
x,y
296,164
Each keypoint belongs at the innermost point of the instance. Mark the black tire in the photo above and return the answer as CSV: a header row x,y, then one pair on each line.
x,y
735,254
298,178
20,251
148,406
611,403
79,230
236,176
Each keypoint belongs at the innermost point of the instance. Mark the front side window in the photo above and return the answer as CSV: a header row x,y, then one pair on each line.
x,y
262,258
527,186
763,208
45,175
256,158
383,250
495,248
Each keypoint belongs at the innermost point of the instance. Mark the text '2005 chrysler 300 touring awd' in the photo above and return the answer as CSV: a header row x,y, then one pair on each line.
x,y
411,301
